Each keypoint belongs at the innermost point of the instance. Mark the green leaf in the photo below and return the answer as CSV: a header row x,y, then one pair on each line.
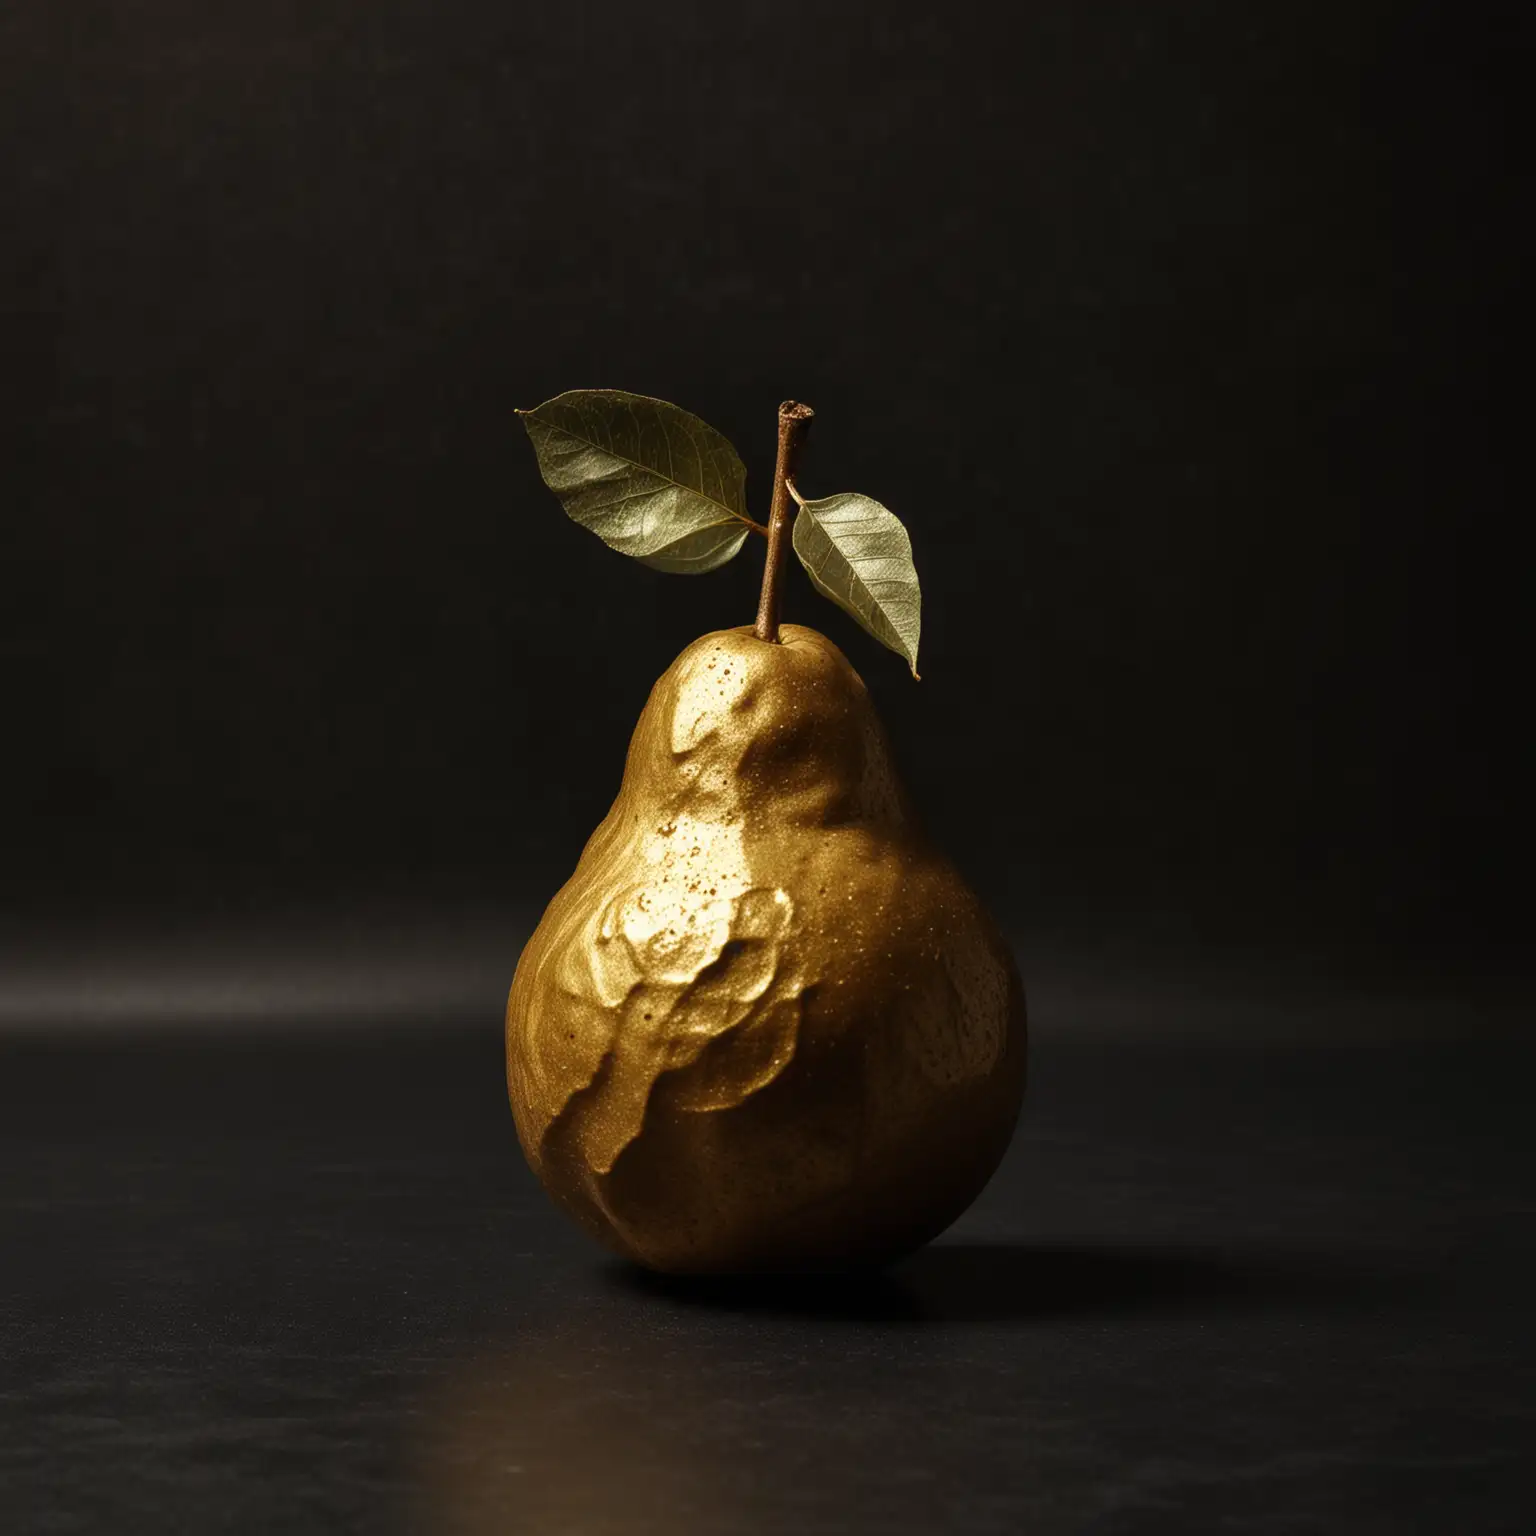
x,y
646,477
859,555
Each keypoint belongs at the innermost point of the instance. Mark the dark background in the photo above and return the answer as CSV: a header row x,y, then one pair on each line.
x,y
1171,330
1168,329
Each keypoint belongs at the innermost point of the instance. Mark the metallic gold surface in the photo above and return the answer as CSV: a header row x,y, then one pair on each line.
x,y
765,1023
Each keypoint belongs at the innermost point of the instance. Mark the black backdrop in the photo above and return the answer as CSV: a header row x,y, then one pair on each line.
x,y
1169,329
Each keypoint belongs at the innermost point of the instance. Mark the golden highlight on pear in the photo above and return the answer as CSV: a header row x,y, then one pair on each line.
x,y
765,1024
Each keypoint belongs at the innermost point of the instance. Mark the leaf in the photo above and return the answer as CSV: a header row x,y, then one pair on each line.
x,y
646,477
859,555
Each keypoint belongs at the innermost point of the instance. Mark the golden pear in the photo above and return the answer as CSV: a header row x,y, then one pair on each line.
x,y
765,1024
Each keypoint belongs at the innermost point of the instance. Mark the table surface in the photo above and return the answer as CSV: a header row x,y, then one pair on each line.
x,y
279,1283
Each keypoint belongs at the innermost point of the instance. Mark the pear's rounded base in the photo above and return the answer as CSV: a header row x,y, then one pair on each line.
x,y
692,1200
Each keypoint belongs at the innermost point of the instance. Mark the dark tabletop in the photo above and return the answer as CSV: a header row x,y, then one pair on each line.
x,y
284,1283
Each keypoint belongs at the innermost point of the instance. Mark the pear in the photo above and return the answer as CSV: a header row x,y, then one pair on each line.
x,y
765,1024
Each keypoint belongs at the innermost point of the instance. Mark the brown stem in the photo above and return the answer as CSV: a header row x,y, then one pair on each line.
x,y
794,423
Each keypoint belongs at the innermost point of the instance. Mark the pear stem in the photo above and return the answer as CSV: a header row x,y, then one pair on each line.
x,y
794,423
